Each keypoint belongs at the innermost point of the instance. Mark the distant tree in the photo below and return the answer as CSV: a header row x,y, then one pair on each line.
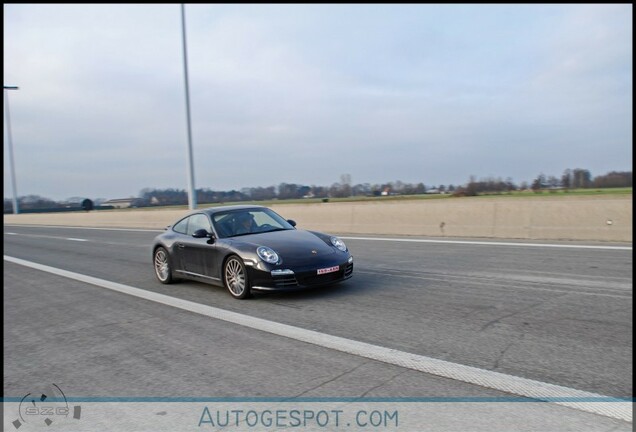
x,y
336,191
36,202
488,185
510,185
614,179
539,183
139,202
8,206
459,191
165,196
87,205
472,187
553,182
262,193
571,178
581,178
345,185
566,179
397,187
413,189
209,196
291,191
304,191
320,191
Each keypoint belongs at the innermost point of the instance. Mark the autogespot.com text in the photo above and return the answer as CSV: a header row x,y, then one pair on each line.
x,y
298,418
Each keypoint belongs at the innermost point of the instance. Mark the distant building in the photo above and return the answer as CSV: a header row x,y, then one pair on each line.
x,y
119,203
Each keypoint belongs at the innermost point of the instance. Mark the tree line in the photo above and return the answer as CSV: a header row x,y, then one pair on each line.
x,y
570,179
284,191
577,178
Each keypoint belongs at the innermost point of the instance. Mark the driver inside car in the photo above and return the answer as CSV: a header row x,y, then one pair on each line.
x,y
244,224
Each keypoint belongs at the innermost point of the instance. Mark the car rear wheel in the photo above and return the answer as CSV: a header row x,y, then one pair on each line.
x,y
235,278
163,270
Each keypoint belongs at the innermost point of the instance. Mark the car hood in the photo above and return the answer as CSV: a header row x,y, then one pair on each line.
x,y
291,245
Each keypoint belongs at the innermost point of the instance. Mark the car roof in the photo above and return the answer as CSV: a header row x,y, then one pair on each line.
x,y
213,210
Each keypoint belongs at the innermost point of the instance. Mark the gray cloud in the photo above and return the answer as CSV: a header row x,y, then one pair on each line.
x,y
305,93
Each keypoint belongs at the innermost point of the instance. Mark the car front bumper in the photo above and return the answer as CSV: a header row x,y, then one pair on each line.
x,y
292,279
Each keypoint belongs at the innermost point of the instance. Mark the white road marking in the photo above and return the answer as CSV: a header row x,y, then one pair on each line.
x,y
495,380
484,243
465,242
48,236
86,228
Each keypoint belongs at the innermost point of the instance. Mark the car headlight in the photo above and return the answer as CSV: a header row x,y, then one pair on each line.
x,y
267,255
338,243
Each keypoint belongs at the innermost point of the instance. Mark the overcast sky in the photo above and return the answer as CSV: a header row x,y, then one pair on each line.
x,y
305,93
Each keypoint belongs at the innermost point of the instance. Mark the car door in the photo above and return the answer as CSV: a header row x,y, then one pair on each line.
x,y
200,254
181,233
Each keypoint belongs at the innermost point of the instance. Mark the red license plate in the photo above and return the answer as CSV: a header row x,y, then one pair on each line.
x,y
328,270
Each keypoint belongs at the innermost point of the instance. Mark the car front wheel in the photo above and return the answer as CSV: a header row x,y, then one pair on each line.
x,y
235,278
163,270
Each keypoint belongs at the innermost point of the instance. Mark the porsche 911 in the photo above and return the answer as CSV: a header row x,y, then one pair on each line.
x,y
247,248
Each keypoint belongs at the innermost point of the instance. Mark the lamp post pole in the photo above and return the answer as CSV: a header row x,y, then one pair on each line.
x,y
192,197
11,161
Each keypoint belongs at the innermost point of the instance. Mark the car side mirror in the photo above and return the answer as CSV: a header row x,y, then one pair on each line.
x,y
291,222
202,233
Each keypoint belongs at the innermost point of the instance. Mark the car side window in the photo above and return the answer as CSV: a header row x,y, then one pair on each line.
x,y
222,225
182,226
197,222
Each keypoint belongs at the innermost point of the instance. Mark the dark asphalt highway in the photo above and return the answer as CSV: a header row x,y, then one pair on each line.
x,y
559,315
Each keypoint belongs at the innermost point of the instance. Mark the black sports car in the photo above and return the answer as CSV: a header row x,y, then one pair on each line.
x,y
246,248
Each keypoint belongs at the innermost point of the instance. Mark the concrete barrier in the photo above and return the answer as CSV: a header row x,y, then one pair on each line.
x,y
600,218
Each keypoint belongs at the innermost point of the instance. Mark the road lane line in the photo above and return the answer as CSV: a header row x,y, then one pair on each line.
x,y
609,407
47,236
484,243
407,240
85,228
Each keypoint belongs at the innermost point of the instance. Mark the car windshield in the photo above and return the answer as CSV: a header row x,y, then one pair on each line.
x,y
248,221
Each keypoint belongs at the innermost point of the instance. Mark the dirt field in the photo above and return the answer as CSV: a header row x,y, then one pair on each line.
x,y
599,218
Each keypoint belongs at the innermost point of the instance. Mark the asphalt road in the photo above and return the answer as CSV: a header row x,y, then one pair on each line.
x,y
559,315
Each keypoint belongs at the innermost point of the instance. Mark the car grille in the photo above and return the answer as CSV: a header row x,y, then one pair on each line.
x,y
311,279
348,270
316,279
283,281
289,279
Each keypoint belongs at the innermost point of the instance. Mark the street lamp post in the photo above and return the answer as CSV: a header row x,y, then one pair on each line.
x,y
192,196
11,161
